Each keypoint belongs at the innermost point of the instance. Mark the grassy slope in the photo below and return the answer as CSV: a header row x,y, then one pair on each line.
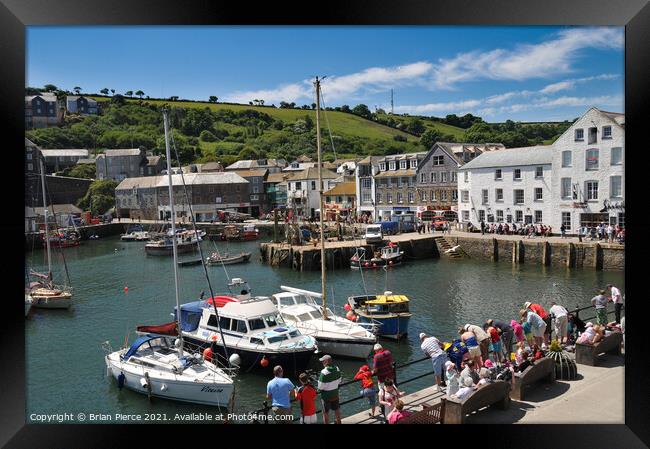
x,y
443,128
340,122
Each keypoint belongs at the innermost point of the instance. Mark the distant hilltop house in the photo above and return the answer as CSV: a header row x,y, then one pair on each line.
x,y
272,165
42,111
78,104
56,160
127,163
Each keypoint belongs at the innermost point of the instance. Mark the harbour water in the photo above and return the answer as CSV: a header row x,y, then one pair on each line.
x,y
65,365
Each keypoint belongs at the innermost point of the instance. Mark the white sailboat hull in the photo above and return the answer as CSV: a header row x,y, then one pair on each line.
x,y
52,302
353,349
171,386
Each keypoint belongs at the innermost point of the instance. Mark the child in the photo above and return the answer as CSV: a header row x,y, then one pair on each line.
x,y
467,389
453,378
368,390
495,345
528,332
306,397
519,331
398,413
388,394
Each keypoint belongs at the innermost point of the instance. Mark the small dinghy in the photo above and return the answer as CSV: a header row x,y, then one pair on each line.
x,y
227,259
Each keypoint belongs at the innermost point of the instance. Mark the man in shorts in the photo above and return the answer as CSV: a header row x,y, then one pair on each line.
x,y
280,391
328,387
600,303
432,347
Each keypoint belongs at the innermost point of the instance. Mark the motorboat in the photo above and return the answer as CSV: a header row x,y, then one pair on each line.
x,y
136,236
389,310
153,365
250,232
245,233
334,334
252,328
63,239
186,241
390,255
217,258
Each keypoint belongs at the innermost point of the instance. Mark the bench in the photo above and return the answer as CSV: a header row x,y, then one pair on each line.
x,y
588,354
542,369
430,414
496,393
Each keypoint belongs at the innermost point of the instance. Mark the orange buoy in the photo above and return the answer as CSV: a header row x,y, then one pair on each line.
x,y
215,338
264,362
207,354
347,307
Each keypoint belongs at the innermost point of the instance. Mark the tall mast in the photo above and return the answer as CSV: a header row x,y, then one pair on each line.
x,y
47,236
175,245
320,200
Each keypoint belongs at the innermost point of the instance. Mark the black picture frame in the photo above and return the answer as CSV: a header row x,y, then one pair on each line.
x,y
15,15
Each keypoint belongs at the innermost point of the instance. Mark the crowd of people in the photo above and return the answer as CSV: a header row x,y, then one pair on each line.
x,y
601,232
480,355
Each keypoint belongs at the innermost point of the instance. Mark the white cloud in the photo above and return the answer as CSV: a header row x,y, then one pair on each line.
x,y
457,107
526,61
571,83
289,93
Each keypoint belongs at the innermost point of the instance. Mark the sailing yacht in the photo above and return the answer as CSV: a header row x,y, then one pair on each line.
x,y
334,334
157,365
44,294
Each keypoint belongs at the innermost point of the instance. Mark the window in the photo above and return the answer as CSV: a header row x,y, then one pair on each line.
x,y
539,196
443,176
391,165
566,219
615,187
272,320
617,156
591,188
466,176
484,196
592,135
539,172
339,199
382,166
30,166
423,177
365,197
438,160
498,194
434,177
410,181
414,163
565,188
538,216
411,197
29,156
464,196
255,324
566,158
399,182
509,218
255,197
423,196
433,196
580,134
465,215
224,323
298,186
389,182
498,174
399,198
365,183
516,174
621,219
519,216
481,215
313,185
454,176
328,199
402,165
443,195
389,198
454,195
499,216
518,195
490,218
378,197
591,159
607,132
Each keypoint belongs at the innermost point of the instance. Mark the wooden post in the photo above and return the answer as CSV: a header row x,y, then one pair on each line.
x,y
520,249
275,226
546,256
570,255
597,253
514,252
495,250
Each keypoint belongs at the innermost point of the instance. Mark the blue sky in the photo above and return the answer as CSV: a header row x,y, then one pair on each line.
x,y
498,73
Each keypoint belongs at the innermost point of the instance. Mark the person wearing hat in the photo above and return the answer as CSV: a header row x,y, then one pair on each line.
x,y
432,347
539,310
382,364
328,387
537,325
507,335
453,378
600,303
467,389
560,322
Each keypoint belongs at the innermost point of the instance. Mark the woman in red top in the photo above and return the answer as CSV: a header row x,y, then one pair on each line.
x,y
306,397
539,310
368,387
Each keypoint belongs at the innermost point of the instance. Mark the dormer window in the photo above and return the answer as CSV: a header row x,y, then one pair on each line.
x,y
382,166
414,163
402,165
392,165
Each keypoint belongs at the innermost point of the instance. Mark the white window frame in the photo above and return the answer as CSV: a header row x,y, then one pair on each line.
x,y
499,216
537,190
581,133
541,216
568,163
392,165
434,177
569,192
411,197
605,135
498,174
620,186
414,163
485,196
464,196
466,176
514,196
565,219
443,195
423,178
400,198
402,165
519,216
443,176
537,170
438,160
597,166
589,192
620,159
498,195
382,166
389,198
514,174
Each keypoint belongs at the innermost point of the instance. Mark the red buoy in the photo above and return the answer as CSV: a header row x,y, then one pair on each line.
x,y
264,362
347,307
126,289
207,354
214,338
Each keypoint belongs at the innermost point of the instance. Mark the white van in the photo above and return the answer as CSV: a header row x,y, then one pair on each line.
x,y
374,234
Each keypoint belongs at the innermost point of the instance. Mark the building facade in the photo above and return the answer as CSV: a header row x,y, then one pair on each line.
x,y
340,200
42,111
303,191
57,160
507,186
395,185
120,164
81,105
258,200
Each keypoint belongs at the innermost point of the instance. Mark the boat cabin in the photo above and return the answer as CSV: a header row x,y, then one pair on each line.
x,y
381,304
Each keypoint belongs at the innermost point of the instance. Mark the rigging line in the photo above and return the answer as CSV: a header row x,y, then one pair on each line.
x,y
56,227
198,244
328,122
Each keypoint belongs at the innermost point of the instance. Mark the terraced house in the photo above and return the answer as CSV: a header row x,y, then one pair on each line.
x,y
395,184
437,175
42,111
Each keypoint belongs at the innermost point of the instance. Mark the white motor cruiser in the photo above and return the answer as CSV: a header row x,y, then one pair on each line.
x,y
335,335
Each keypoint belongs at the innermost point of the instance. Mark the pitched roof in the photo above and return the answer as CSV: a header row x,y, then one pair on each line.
x,y
251,173
190,179
59,209
277,177
343,188
540,154
68,153
46,97
250,163
618,117
311,173
211,166
75,97
153,160
456,150
125,152
394,173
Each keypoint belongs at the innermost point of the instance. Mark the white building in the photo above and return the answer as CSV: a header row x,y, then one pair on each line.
x,y
507,186
581,184
588,171
302,190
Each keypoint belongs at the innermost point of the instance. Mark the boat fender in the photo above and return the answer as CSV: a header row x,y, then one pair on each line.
x,y
121,380
264,362
163,387
207,354
143,383
235,360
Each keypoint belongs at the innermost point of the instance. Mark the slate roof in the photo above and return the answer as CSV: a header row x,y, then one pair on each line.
x,y
512,157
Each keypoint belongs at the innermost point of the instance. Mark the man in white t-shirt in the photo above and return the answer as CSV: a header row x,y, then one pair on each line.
x,y
432,347
617,299
560,321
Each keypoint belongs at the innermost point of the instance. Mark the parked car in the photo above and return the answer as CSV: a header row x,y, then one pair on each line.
x,y
438,222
